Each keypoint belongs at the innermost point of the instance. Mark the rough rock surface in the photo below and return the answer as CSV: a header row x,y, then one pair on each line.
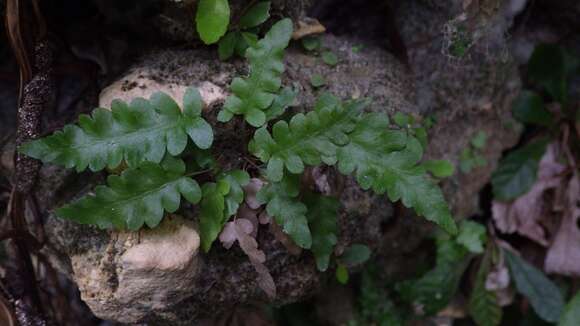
x,y
225,277
468,91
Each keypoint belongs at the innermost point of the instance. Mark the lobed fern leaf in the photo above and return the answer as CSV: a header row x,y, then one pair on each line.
x,y
141,131
372,154
382,159
322,218
308,139
220,201
254,95
137,197
286,209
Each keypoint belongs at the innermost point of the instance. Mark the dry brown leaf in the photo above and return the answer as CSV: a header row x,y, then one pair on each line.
x,y
564,255
265,279
241,230
265,218
524,215
307,26
251,189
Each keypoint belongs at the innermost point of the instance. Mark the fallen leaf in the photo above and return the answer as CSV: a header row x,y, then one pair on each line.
x,y
265,279
245,212
307,26
524,214
241,230
264,218
564,255
251,189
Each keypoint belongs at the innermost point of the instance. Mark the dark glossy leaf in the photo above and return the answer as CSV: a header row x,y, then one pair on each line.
x,y
138,196
543,294
529,108
550,66
227,45
259,13
212,19
517,172
142,131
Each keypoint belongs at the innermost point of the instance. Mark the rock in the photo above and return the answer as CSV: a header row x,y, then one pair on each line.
x,y
111,281
466,77
139,272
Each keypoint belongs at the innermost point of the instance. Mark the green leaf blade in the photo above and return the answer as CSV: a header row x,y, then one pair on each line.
x,y
252,96
220,201
287,210
543,294
386,161
307,139
517,172
139,132
322,219
571,315
212,19
256,15
529,108
484,307
137,197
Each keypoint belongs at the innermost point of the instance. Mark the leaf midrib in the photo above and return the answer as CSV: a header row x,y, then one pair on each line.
x,y
117,139
315,134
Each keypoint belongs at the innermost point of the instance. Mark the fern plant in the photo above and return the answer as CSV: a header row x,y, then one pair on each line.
x,y
253,95
134,133
148,136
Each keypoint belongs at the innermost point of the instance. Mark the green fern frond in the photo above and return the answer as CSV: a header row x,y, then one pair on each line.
x,y
308,139
374,153
137,197
220,201
286,209
322,218
254,95
383,159
141,131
